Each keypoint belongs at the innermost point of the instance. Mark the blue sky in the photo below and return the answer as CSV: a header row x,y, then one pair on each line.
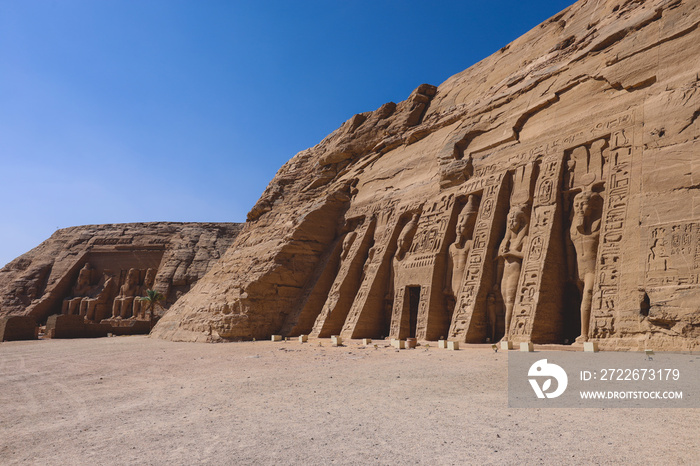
x,y
118,111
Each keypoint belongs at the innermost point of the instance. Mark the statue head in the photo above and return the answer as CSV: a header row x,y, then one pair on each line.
x,y
347,243
466,218
370,253
150,278
406,236
491,298
517,219
84,275
587,202
132,277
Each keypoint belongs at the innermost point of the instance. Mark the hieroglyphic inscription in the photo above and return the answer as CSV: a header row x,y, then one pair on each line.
x,y
673,255
609,250
423,311
431,229
111,241
540,234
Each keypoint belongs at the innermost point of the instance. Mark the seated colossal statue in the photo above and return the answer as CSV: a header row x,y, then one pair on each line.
x,y
122,307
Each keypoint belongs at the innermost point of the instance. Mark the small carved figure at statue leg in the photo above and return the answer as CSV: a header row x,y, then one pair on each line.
x,y
492,308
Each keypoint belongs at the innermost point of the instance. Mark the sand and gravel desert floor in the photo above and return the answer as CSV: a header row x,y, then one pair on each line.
x,y
137,400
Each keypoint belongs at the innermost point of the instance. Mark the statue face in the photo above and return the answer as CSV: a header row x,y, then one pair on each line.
x,y
515,220
83,277
461,227
131,277
462,224
581,203
347,242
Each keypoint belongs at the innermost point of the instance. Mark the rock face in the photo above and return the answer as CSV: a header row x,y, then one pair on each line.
x,y
99,271
548,193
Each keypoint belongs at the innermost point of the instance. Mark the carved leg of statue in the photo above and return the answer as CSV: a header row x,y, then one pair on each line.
x,y
509,286
90,312
509,315
491,307
64,309
126,308
74,306
117,308
586,302
135,309
83,307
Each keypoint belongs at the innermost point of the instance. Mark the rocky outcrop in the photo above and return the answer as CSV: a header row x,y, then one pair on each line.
x,y
86,270
546,194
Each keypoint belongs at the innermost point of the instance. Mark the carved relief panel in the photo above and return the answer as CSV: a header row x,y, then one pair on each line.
x,y
672,255
369,315
616,199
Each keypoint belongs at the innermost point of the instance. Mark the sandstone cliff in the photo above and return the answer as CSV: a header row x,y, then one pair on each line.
x,y
548,193
92,262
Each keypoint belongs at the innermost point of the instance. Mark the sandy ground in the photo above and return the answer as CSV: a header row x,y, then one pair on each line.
x,y
140,400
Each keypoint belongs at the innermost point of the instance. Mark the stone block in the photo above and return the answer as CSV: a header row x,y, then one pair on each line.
x,y
411,343
118,327
527,347
276,338
453,345
506,345
65,326
398,344
303,338
17,328
590,346
336,340
366,341
442,344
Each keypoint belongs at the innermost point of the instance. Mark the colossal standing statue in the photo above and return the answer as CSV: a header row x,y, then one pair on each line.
x,y
459,250
510,259
402,246
585,234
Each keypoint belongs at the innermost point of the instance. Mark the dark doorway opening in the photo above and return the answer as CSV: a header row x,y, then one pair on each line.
x,y
413,302
572,313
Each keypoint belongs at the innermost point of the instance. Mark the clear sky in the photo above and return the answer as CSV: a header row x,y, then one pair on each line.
x,y
118,111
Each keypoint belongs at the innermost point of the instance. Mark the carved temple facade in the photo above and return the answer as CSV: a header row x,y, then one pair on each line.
x,y
84,276
546,194
390,274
